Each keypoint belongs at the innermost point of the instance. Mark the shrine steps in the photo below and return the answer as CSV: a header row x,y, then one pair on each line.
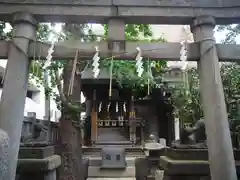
x,y
111,178
115,143
96,161
95,172
131,151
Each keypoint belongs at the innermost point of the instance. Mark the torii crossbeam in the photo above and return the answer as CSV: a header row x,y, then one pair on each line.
x,y
132,11
155,51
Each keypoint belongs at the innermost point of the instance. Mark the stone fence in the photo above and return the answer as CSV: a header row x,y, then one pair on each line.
x,y
37,157
31,120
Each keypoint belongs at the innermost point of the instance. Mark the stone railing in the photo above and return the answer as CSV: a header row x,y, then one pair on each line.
x,y
37,157
31,120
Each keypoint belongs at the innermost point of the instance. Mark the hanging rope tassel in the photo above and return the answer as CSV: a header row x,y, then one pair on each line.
x,y
148,90
70,88
110,79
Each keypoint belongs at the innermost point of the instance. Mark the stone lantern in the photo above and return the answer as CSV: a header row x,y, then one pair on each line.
x,y
153,150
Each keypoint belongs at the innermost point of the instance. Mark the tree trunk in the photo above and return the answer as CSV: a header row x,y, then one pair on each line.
x,y
70,151
70,136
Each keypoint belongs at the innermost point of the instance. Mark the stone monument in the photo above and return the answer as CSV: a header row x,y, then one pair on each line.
x,y
113,158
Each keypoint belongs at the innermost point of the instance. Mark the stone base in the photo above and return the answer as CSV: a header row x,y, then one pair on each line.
x,y
193,154
186,178
35,152
141,168
188,164
38,169
37,176
85,164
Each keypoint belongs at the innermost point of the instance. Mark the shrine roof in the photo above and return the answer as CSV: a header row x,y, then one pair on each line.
x,y
88,74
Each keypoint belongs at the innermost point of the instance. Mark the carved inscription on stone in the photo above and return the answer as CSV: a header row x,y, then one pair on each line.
x,y
113,158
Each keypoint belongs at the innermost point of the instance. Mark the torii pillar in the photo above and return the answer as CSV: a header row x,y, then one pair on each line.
x,y
15,84
220,151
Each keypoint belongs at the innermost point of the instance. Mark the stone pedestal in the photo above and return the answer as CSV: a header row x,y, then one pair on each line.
x,y
34,152
38,163
188,164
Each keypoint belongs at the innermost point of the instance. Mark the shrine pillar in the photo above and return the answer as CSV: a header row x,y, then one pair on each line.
x,y
15,84
220,151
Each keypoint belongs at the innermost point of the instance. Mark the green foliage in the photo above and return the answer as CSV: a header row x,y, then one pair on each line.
x,y
3,34
72,110
232,31
231,84
125,71
134,31
187,100
43,32
189,106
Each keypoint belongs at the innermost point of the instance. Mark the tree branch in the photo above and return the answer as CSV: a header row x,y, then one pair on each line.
x,y
59,87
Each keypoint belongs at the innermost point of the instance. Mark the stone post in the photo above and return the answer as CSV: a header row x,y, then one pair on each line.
x,y
15,84
4,154
220,151
116,35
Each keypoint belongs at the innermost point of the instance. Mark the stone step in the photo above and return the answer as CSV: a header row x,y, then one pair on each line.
x,y
98,148
104,143
95,171
117,178
127,154
129,151
96,161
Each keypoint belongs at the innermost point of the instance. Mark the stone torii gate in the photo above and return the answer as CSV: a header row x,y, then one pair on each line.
x,y
201,15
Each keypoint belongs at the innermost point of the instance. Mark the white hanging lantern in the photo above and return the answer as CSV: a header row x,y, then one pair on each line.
x,y
95,64
139,63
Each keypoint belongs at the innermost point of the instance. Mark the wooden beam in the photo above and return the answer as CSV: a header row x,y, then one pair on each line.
x,y
155,51
133,11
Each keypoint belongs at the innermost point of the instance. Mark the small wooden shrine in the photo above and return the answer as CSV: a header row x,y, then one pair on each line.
x,y
116,117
